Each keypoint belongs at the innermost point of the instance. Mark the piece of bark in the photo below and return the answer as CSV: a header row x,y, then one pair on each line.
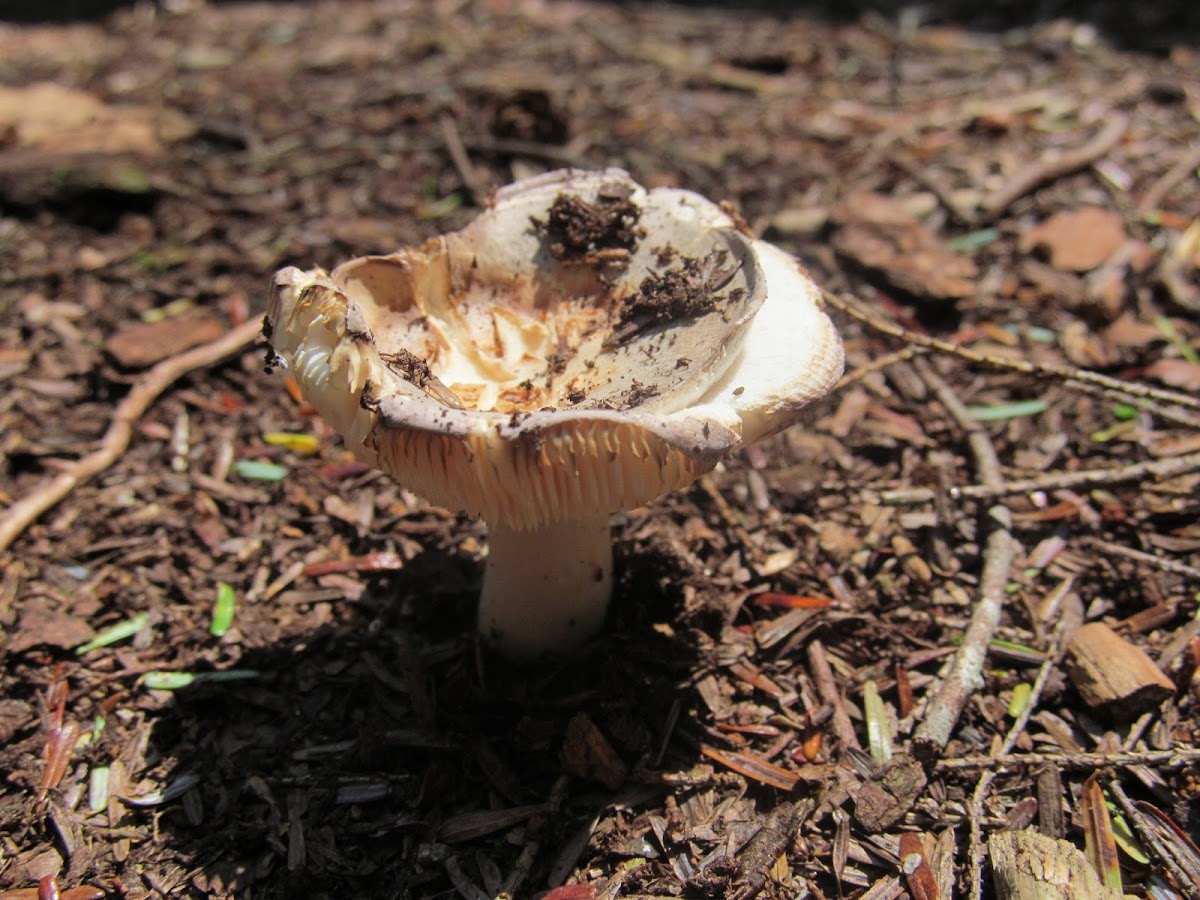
x,y
587,753
1031,866
1113,675
755,860
889,795
1049,796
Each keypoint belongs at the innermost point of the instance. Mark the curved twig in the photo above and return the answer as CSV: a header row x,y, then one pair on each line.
x,y
149,388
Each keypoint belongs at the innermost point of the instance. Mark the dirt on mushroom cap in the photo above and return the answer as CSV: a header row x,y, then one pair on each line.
x,y
605,231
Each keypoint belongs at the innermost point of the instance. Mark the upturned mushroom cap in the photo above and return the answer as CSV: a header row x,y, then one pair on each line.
x,y
583,346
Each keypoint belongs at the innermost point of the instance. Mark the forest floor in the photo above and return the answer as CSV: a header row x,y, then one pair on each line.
x,y
1015,452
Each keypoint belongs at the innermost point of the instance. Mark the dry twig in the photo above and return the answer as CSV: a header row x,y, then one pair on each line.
x,y
993,206
877,365
999,552
827,687
1159,562
149,388
1054,481
754,862
1068,374
965,675
1154,196
462,162
1179,758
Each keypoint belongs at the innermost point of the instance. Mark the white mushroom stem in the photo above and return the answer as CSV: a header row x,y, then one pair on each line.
x,y
546,591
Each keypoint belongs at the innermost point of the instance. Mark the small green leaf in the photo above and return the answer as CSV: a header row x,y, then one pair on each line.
x,y
1124,836
257,470
298,443
435,209
1020,699
223,610
112,635
973,240
1116,430
1017,652
1178,341
169,310
1001,411
175,681
1124,412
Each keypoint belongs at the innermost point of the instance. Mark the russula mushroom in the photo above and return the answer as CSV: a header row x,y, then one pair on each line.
x,y
583,346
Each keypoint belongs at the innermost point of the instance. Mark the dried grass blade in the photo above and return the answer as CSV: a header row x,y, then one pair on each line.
x,y
879,737
841,846
56,753
904,692
1099,843
752,767
468,826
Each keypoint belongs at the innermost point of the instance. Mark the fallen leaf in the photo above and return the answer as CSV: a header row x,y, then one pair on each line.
x,y
143,344
914,863
1078,240
1128,331
792,601
1176,373
471,825
839,541
51,628
881,234
1180,266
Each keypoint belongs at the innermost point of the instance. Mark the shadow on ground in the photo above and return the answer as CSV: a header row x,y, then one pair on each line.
x,y
1147,26
360,757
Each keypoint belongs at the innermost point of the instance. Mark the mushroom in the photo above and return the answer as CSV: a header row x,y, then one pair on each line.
x,y
583,346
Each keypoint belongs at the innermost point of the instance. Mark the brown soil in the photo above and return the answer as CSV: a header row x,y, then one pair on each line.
x,y
346,737
691,289
590,233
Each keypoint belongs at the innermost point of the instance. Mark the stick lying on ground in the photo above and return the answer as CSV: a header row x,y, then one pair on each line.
x,y
149,388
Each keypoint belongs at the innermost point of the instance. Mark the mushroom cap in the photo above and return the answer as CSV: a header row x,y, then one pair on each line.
x,y
583,346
